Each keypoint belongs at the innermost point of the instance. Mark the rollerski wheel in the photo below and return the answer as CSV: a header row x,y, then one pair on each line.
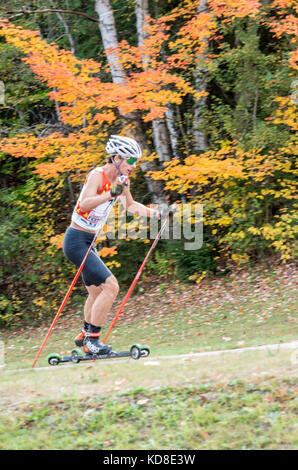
x,y
76,356
54,359
145,351
76,352
137,351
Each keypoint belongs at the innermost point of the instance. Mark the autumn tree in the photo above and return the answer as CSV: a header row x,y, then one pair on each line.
x,y
215,81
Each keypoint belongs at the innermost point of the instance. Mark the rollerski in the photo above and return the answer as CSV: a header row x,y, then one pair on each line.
x,y
136,351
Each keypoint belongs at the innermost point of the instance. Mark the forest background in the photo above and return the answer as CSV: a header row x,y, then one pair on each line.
x,y
209,89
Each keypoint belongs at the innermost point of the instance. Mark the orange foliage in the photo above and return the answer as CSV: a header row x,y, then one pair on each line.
x,y
77,151
232,9
153,80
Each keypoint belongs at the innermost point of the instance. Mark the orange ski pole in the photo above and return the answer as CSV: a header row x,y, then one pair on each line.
x,y
64,301
135,280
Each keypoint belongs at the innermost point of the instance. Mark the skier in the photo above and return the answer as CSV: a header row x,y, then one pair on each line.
x,y
103,187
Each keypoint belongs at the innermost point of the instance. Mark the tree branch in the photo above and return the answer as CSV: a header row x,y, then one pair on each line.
x,y
24,11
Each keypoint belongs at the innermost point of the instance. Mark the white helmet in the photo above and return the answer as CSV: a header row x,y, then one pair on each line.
x,y
125,147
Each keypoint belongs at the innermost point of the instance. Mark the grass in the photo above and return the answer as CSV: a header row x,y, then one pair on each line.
x,y
244,309
245,400
237,415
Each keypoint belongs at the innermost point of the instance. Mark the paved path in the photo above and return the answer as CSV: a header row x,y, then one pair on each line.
x,y
151,359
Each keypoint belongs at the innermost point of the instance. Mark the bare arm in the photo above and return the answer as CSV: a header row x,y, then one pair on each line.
x,y
140,209
135,207
90,198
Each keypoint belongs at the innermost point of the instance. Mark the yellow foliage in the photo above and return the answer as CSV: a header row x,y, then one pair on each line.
x,y
106,251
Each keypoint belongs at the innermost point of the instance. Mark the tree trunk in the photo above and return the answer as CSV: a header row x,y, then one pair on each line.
x,y
109,38
200,77
170,119
161,138
247,92
67,31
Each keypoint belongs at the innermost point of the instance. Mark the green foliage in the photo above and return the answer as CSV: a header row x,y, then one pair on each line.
x,y
161,264
244,80
171,259
26,99
191,264
130,256
34,272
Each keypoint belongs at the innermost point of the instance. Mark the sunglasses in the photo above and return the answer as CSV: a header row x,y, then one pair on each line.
x,y
131,160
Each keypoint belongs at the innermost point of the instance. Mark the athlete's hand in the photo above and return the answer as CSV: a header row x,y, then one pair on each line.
x,y
166,211
120,184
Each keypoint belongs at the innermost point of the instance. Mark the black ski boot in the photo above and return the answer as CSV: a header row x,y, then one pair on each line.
x,y
92,345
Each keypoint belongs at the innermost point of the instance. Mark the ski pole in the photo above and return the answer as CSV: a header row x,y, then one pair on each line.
x,y
64,302
67,295
136,279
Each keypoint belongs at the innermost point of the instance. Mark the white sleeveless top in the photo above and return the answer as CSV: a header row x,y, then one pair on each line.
x,y
94,219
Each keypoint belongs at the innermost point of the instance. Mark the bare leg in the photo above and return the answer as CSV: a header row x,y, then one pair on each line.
x,y
88,305
100,300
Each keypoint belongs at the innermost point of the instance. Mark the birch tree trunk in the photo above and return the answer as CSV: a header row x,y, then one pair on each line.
x,y
170,120
109,38
200,78
108,32
160,131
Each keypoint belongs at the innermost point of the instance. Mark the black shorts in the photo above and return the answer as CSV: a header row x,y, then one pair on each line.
x,y
75,246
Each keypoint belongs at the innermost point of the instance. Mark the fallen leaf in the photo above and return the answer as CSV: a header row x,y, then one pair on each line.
x,y
204,434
